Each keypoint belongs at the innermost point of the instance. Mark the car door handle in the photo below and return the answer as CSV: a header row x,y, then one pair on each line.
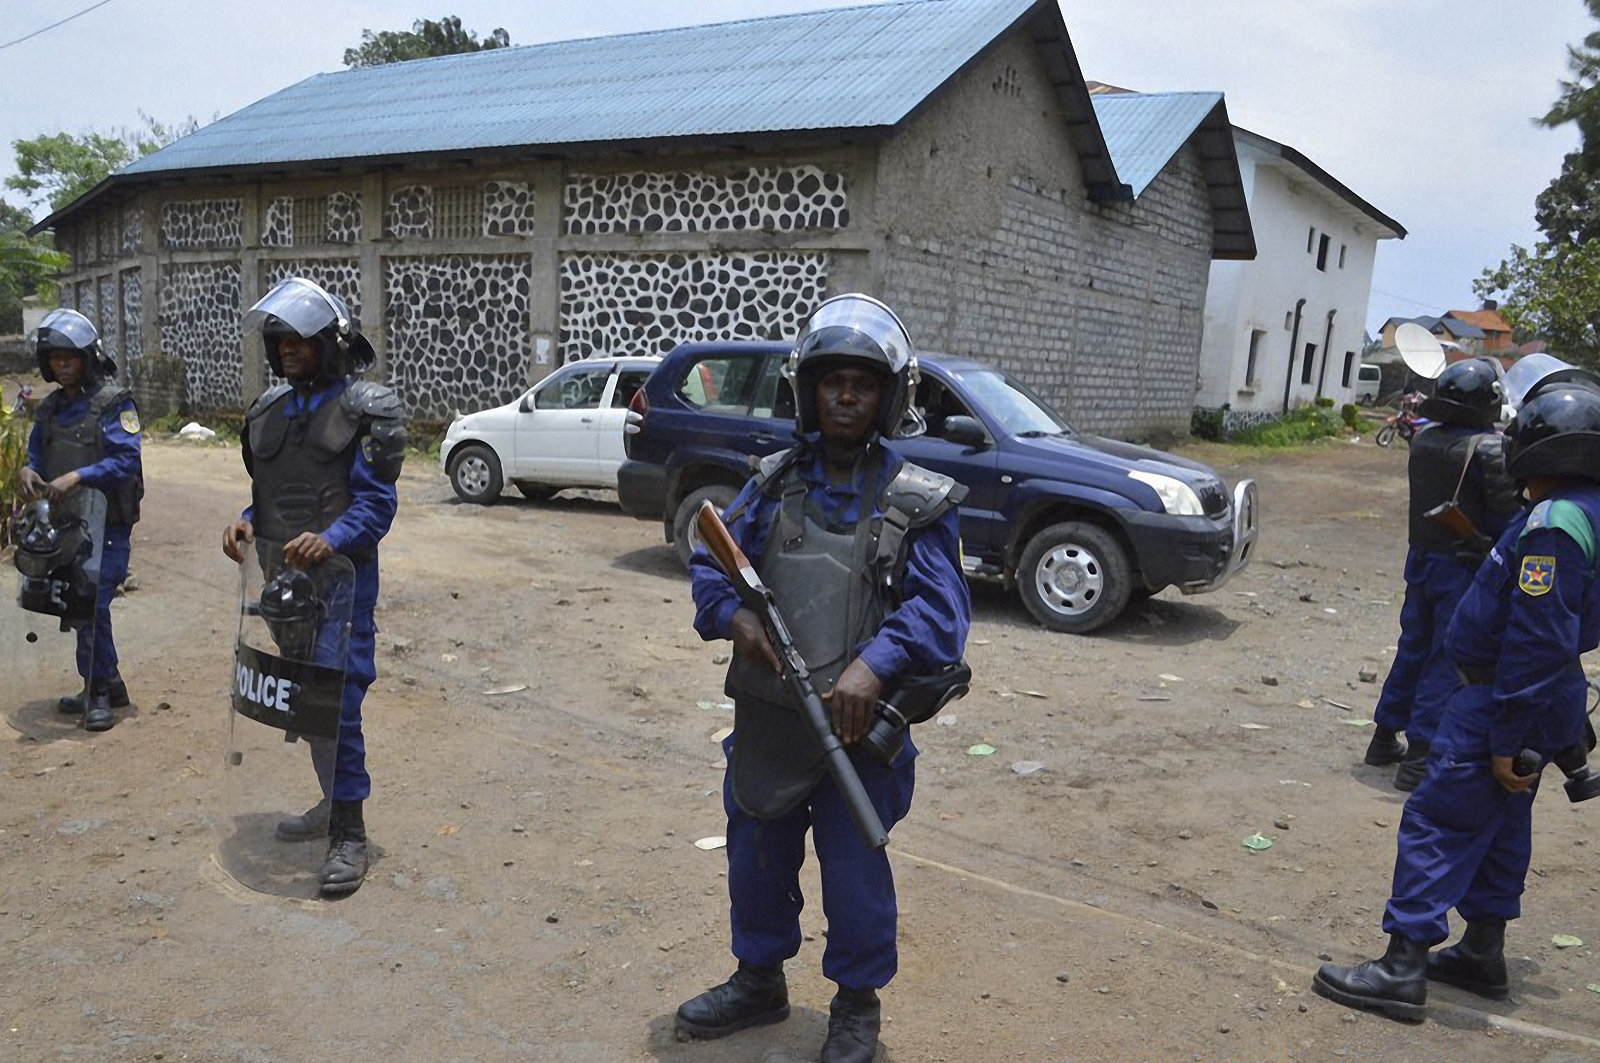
x,y
586,420
762,437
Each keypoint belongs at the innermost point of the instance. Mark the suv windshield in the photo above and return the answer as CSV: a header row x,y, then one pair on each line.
x,y
1008,401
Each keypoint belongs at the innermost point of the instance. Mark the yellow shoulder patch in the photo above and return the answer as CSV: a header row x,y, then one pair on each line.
x,y
130,422
1537,575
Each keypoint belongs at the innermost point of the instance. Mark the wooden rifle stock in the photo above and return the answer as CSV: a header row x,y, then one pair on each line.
x,y
1453,519
755,595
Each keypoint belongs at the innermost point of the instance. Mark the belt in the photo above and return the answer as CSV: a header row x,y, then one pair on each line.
x,y
1476,675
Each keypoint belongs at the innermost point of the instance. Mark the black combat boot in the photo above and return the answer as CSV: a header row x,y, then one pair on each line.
x,y
72,704
853,1018
1476,963
1384,748
1396,984
754,996
311,824
99,716
1409,775
346,864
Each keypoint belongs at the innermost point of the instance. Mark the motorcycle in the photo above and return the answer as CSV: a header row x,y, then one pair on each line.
x,y
1403,423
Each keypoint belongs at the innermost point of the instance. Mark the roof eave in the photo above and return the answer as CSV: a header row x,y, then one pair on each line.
x,y
1233,236
1048,30
1322,177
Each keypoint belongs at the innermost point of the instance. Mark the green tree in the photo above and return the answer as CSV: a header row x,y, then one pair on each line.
x,y
60,167
1551,291
426,38
27,265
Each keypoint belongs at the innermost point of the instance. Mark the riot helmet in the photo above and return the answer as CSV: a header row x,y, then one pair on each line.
x,y
1467,393
297,307
68,330
858,331
1556,433
293,611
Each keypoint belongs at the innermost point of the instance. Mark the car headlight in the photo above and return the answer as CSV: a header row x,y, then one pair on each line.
x,y
1177,497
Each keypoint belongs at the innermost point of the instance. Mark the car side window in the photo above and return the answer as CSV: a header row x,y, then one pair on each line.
x,y
721,385
938,404
579,390
629,381
774,396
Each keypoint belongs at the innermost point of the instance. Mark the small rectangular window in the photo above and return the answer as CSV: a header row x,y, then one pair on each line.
x,y
1256,336
1311,360
1322,253
1349,364
1341,256
457,211
1311,239
310,221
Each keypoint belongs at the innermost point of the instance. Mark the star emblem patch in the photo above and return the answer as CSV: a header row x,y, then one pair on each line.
x,y
1537,575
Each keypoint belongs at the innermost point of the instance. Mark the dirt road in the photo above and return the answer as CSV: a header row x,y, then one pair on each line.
x,y
539,896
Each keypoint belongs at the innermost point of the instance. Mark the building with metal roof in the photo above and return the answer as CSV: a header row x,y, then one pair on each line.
x,y
492,214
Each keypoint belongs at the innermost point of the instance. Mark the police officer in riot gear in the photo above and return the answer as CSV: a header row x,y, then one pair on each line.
x,y
1458,458
860,550
1531,612
86,435
324,452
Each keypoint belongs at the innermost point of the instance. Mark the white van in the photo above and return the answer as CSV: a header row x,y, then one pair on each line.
x,y
1368,377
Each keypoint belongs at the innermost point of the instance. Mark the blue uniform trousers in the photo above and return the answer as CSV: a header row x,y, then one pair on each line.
x,y
1464,842
342,767
1422,678
97,651
858,899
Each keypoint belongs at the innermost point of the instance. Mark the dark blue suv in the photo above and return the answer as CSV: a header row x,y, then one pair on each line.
x,y
1078,524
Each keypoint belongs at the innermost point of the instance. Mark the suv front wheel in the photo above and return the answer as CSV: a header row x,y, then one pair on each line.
x,y
683,541
1074,577
475,474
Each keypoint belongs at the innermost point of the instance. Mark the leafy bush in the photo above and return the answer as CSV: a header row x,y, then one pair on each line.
x,y
1301,426
13,456
1350,414
1325,401
1208,424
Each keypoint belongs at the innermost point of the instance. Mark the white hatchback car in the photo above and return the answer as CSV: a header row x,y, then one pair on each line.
x,y
565,432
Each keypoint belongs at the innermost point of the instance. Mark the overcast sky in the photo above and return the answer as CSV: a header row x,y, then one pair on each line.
x,y
1424,108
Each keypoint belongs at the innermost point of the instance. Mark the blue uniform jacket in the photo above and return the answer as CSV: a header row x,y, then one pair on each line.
x,y
1533,609
372,502
121,462
926,632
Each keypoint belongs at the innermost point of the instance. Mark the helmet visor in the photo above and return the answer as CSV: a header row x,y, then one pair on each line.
x,y
869,317
1532,371
65,330
299,304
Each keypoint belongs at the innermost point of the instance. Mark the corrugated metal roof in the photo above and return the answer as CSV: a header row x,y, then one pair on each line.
x,y
850,68
1144,131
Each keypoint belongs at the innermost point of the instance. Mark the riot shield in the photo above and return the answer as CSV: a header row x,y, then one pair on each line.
x,y
57,575
283,715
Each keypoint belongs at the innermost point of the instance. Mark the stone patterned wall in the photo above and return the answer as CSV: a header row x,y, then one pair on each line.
x,y
197,224
199,326
410,213
277,223
133,231
132,312
457,330
1098,310
344,217
109,322
508,209
779,198
86,301
647,304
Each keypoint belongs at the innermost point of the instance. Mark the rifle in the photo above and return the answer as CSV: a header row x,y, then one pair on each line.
x,y
758,598
1453,519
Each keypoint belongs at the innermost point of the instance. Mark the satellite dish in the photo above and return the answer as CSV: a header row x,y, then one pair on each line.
x,y
1420,349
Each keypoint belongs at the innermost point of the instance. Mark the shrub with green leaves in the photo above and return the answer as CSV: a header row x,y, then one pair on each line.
x,y
13,456
1350,414
1300,426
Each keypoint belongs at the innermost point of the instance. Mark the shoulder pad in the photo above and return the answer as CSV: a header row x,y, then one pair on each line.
x,y
773,465
109,397
266,399
373,400
922,494
1562,515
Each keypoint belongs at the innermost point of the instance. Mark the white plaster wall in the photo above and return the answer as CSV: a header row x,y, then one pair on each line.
x,y
1243,296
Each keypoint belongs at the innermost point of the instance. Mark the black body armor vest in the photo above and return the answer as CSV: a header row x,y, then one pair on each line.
x,y
66,449
299,465
1487,494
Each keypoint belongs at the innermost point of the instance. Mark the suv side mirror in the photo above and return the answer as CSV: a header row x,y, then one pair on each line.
x,y
965,431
